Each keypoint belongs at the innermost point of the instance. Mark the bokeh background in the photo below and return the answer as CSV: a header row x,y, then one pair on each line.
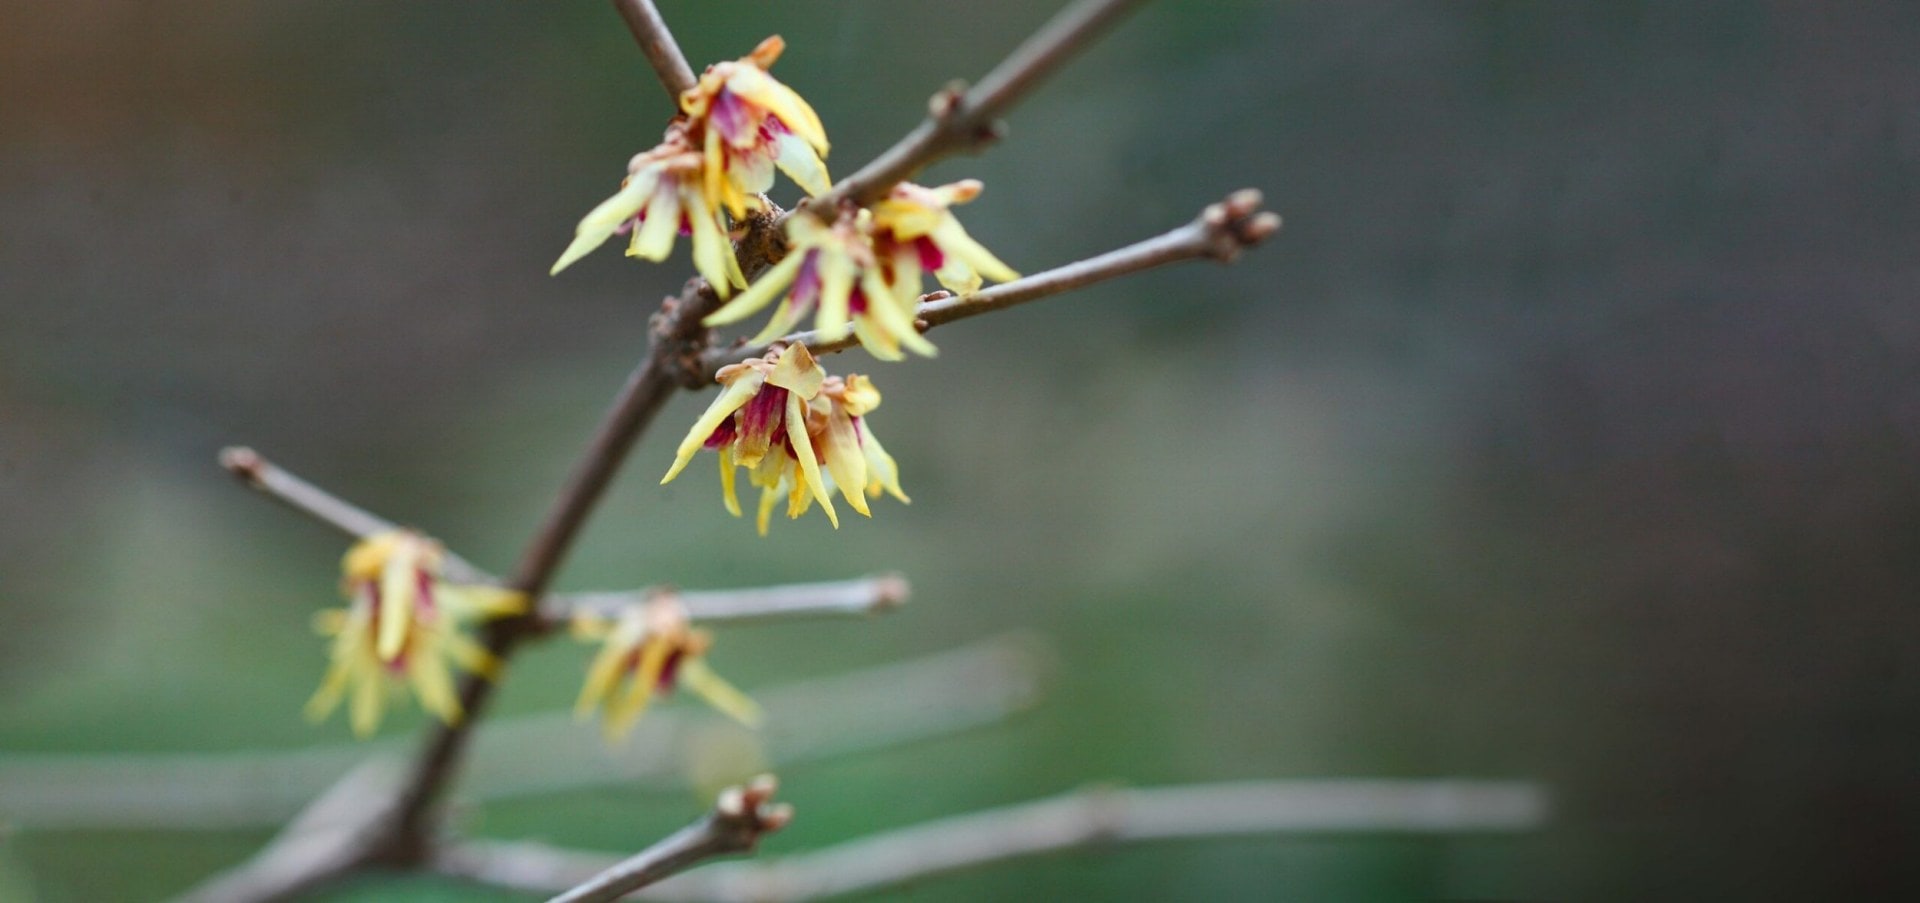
x,y
1567,432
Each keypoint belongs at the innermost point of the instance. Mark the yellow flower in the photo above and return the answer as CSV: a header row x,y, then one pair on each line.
x,y
653,648
866,269
914,229
799,433
403,627
832,269
752,123
664,195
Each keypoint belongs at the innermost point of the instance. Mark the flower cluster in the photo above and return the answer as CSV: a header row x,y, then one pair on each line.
x,y
865,269
784,419
653,648
737,125
403,627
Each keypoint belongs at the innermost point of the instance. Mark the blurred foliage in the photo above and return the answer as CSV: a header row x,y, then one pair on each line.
x,y
1567,431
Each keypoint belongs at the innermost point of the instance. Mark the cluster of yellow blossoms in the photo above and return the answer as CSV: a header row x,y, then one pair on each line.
x,y
800,434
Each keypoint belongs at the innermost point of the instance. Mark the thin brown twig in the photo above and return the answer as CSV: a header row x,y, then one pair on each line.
x,y
1074,820
860,596
740,817
657,43
961,119
1220,232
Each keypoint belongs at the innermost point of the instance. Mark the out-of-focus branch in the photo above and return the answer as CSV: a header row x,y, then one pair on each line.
x,y
516,757
662,51
865,595
1220,232
331,837
1075,820
962,119
260,474
325,507
740,817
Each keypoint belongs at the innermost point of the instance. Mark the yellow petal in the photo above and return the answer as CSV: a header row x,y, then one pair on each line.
x,y
653,237
602,675
731,399
801,165
803,450
954,241
398,596
796,371
763,290
696,676
434,685
366,706
883,307
882,471
837,272
845,460
602,221
712,252
769,497
727,494
472,657
878,342
476,602
327,697
765,91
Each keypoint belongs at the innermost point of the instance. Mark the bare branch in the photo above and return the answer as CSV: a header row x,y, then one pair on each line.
x,y
740,817
1220,232
1075,820
865,595
325,507
965,120
662,51
300,495
330,838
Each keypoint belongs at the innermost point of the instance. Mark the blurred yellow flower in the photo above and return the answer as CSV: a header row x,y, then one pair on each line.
x,y
751,123
653,648
403,627
664,195
799,433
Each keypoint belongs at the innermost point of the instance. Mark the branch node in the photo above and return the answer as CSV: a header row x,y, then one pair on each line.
x,y
242,462
1237,223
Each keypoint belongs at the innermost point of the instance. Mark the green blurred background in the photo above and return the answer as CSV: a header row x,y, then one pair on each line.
x,y
1567,432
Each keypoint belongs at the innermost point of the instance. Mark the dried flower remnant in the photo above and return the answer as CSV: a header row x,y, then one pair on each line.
x,y
664,195
403,627
799,433
750,123
652,648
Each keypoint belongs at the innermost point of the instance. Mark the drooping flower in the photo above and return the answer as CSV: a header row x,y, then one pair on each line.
x,y
651,648
915,231
403,627
866,270
665,194
799,433
832,269
751,123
